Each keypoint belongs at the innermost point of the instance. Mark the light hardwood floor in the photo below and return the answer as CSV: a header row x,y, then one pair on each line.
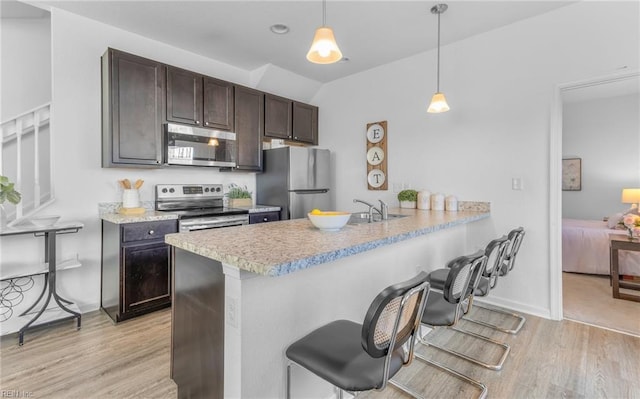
x,y
131,360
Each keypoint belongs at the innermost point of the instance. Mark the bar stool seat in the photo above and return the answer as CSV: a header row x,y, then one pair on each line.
x,y
334,353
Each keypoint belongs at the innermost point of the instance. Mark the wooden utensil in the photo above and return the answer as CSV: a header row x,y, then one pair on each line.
x,y
124,186
138,184
127,184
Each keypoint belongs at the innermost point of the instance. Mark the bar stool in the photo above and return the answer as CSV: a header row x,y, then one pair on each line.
x,y
443,308
515,237
494,251
360,357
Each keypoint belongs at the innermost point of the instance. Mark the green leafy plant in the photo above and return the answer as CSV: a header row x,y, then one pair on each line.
x,y
7,191
408,195
236,191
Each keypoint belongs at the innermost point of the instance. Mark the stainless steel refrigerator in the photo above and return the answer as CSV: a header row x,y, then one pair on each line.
x,y
297,179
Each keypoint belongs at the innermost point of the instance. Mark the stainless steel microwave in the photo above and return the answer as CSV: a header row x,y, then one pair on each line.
x,y
188,145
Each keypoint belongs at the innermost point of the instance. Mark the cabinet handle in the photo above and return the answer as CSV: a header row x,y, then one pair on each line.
x,y
265,219
206,123
197,122
151,232
296,137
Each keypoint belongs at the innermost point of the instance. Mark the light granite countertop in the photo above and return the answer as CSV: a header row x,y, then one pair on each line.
x,y
279,248
148,216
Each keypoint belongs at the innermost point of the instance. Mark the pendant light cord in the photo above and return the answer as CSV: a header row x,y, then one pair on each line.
x,y
438,68
324,12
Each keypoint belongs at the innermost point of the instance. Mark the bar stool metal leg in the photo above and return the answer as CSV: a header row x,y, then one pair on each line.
x,y
495,326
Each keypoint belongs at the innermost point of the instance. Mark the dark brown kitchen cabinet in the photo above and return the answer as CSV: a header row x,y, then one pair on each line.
x,y
277,117
198,100
136,277
249,127
264,217
305,123
132,110
184,96
218,107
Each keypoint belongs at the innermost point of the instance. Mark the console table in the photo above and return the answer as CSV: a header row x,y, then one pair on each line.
x,y
67,307
622,242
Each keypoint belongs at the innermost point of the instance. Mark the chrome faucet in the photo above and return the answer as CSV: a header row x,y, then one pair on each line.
x,y
383,211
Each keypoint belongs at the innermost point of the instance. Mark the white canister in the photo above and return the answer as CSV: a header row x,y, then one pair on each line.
x,y
130,198
424,199
437,202
451,203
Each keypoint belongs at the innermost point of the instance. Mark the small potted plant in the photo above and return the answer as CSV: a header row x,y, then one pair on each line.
x,y
408,198
7,193
239,196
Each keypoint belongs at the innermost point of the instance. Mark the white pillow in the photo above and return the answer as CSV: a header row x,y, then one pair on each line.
x,y
614,219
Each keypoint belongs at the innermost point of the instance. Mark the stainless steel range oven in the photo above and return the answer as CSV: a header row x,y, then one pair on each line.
x,y
198,206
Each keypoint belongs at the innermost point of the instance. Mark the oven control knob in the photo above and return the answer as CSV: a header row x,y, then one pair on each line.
x,y
206,190
218,189
164,190
171,190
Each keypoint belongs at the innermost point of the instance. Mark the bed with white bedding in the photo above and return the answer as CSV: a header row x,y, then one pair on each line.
x,y
585,248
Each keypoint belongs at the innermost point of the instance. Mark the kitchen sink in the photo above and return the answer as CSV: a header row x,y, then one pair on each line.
x,y
363,217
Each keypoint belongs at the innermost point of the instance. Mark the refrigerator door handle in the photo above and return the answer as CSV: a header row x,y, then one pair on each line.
x,y
311,191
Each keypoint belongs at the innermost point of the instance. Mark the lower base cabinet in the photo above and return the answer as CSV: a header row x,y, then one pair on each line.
x,y
136,275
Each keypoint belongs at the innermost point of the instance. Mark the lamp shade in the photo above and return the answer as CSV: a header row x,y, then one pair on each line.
x,y
631,195
438,104
324,49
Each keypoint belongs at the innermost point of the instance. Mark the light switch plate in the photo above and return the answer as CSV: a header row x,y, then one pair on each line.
x,y
516,183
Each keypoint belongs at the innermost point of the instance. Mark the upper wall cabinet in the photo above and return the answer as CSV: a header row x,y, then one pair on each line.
x,y
184,96
249,127
132,110
305,123
218,104
197,100
290,120
278,117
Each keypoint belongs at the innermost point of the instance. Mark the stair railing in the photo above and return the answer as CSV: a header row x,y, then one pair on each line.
x,y
17,129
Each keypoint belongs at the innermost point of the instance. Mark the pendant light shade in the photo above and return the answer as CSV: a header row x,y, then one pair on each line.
x,y
438,101
438,104
324,49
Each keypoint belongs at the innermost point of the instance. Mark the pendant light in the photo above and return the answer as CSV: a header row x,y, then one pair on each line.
x,y
324,49
438,101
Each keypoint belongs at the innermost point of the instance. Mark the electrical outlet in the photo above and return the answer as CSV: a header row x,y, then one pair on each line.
x,y
231,305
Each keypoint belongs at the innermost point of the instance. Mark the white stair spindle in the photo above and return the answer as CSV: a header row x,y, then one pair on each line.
x,y
1,145
18,183
36,159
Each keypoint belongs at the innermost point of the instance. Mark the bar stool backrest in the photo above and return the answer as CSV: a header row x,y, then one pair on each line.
x,y
515,239
496,252
464,275
393,317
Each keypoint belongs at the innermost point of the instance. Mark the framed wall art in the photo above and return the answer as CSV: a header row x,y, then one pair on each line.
x,y
571,174
376,156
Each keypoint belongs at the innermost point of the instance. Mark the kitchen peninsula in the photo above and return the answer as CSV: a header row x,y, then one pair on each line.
x,y
243,294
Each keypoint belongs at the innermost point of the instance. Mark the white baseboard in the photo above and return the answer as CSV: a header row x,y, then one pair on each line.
x,y
515,306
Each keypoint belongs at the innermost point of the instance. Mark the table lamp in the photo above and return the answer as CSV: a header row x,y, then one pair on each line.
x,y
631,196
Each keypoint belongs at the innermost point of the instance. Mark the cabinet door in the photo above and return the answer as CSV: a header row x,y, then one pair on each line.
x,y
249,126
277,117
305,123
132,110
145,276
218,104
184,96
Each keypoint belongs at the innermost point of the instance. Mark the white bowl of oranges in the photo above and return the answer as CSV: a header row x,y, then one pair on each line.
x,y
328,220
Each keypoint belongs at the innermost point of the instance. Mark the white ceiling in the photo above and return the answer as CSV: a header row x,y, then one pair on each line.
x,y
369,33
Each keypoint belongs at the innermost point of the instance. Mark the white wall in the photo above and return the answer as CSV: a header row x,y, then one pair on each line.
x,y
80,182
500,86
26,65
605,134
